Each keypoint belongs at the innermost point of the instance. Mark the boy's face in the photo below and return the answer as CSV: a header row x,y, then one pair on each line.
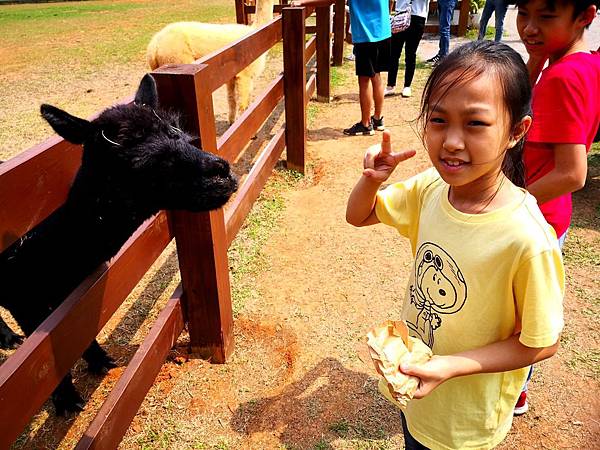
x,y
550,32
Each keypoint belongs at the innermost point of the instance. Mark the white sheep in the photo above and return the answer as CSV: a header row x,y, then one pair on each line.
x,y
185,42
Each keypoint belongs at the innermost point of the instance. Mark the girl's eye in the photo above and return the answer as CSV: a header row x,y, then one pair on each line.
x,y
477,123
436,120
547,16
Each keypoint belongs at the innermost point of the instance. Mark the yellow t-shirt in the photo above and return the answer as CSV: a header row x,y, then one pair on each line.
x,y
476,279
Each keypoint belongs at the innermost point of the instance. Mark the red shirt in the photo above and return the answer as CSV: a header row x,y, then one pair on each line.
x,y
566,110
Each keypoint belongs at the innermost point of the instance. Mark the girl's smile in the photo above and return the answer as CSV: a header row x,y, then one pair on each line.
x,y
467,137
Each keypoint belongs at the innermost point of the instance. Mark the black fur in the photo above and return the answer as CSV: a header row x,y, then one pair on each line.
x,y
135,162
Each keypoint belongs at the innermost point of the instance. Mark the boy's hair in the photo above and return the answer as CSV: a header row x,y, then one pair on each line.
x,y
578,5
469,61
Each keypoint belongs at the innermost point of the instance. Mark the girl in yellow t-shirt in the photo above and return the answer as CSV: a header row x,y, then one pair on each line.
x,y
486,288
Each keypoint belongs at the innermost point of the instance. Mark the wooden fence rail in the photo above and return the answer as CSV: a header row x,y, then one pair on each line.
x,y
35,183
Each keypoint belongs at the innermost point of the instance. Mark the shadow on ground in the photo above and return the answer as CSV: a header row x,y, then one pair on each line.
x,y
340,404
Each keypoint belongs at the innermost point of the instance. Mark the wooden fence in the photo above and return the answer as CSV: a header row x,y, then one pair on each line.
x,y
36,182
243,9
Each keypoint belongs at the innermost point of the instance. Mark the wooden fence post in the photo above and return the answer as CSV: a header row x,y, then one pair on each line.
x,y
294,85
240,12
338,32
201,237
323,52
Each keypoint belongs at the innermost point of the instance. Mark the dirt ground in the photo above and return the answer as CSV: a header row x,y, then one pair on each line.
x,y
300,377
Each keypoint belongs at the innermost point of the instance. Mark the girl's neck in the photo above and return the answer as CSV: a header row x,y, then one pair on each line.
x,y
488,196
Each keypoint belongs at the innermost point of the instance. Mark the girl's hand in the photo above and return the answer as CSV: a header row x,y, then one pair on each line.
x,y
380,161
433,373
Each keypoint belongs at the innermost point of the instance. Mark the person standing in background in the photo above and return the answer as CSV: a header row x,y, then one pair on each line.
x,y
412,36
498,7
445,14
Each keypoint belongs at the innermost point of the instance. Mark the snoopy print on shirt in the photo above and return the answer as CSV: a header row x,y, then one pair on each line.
x,y
438,289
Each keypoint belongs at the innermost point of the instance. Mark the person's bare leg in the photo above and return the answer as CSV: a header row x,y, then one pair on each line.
x,y
378,89
366,99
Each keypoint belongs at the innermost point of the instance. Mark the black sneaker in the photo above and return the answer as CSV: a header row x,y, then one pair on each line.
x,y
377,123
359,128
434,61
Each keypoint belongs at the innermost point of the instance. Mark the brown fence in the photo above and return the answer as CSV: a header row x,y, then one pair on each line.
x,y
36,182
243,9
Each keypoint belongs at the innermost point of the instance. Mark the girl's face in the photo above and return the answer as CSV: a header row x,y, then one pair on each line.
x,y
551,32
467,133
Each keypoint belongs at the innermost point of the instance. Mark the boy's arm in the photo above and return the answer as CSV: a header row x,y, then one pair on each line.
x,y
379,162
501,356
568,175
535,65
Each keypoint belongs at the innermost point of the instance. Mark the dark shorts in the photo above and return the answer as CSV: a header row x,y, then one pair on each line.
x,y
372,57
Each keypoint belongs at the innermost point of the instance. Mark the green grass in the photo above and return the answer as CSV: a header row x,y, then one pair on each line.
x,y
72,32
472,33
587,362
245,254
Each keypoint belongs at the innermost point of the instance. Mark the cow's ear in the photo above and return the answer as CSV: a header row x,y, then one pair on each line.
x,y
72,128
146,93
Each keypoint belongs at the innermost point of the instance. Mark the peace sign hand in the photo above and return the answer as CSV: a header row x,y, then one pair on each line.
x,y
380,161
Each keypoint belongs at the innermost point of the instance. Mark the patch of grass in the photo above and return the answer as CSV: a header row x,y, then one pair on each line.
x,y
73,35
587,362
245,257
311,114
153,438
338,77
472,33
579,252
322,445
340,428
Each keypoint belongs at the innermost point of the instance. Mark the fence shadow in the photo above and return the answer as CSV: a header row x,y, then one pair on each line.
x,y
339,402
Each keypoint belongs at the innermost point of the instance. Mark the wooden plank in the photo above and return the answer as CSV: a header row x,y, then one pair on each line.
x,y
200,237
338,32
202,251
33,184
249,191
174,82
46,356
310,49
120,407
323,53
237,136
311,86
294,86
227,62
240,16
463,18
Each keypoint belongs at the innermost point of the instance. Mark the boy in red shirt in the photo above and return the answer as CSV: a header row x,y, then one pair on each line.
x,y
566,107
566,102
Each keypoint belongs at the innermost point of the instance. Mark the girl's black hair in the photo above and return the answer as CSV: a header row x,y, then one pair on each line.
x,y
469,61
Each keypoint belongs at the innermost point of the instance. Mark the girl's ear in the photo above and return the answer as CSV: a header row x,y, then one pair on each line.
x,y
519,131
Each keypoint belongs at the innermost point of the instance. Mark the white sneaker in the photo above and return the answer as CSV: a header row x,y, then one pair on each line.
x,y
406,92
389,90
